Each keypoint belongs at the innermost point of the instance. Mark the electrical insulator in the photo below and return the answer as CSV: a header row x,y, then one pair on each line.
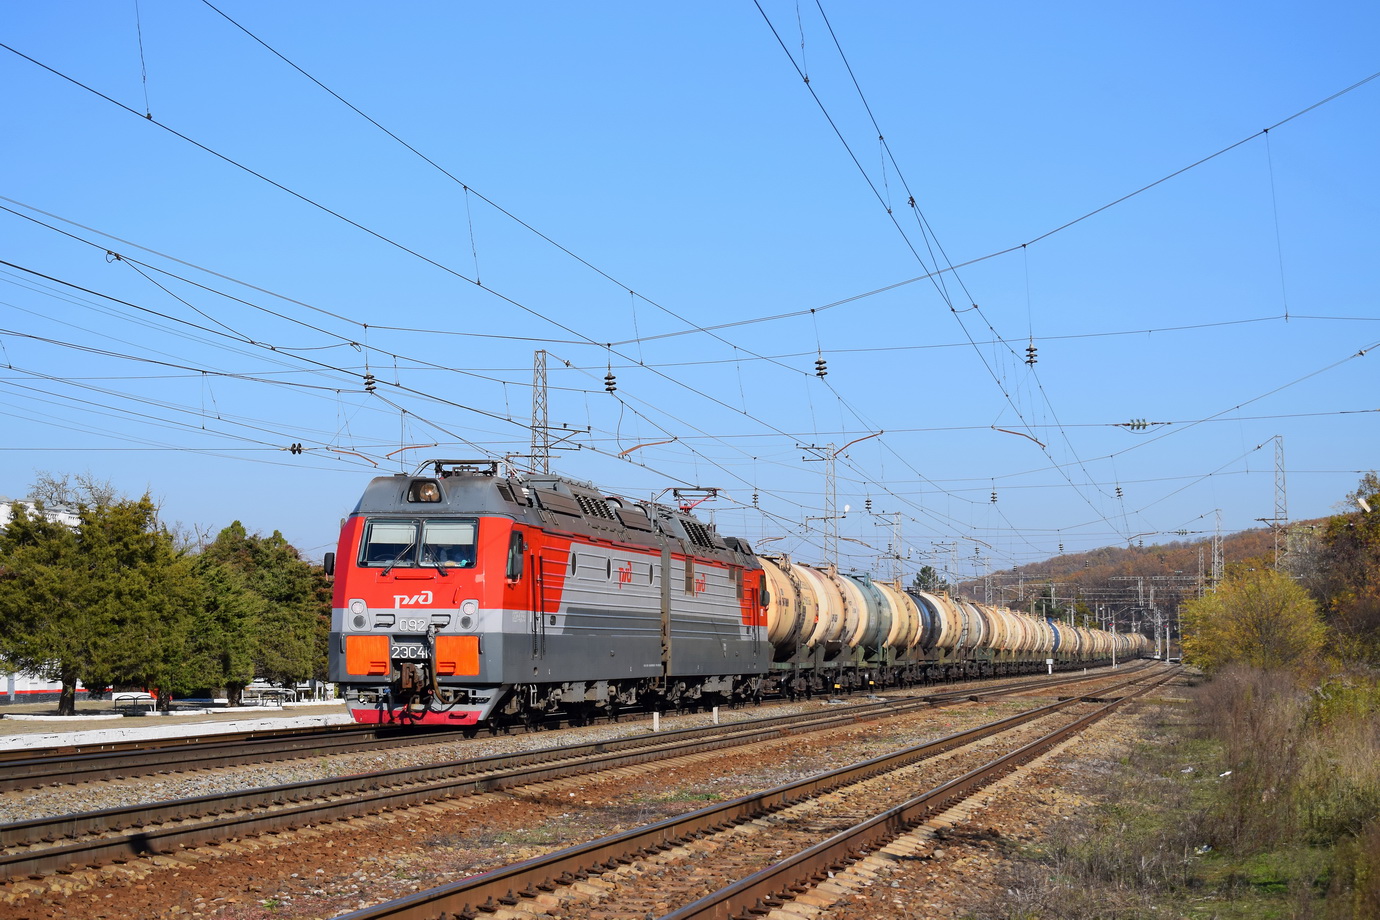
x,y
1061,549
1030,351
755,496
369,385
821,367
1118,492
295,449
994,496
610,382
867,504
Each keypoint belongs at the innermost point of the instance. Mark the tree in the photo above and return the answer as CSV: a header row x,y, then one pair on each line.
x,y
52,489
274,598
928,580
1346,576
222,641
1257,616
110,601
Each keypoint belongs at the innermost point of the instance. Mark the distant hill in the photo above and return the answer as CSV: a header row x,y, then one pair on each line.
x,y
1130,582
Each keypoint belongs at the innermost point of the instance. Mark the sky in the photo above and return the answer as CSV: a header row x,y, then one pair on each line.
x,y
231,228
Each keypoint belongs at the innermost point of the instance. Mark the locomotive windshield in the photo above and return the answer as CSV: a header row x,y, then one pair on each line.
x,y
419,543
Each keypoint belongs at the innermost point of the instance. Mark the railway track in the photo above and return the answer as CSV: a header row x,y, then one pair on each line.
x,y
120,760
74,764
746,857
38,847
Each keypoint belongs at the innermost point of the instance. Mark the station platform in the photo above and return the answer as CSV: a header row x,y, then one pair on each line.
x,y
38,725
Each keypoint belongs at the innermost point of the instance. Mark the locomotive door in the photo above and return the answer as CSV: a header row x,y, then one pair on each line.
x,y
548,567
537,626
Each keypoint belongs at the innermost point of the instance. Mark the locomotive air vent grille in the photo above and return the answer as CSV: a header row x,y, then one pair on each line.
x,y
594,507
698,533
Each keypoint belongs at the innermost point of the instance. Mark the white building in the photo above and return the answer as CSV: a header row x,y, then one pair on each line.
x,y
59,513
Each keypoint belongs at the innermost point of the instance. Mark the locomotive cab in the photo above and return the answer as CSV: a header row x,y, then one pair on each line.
x,y
412,587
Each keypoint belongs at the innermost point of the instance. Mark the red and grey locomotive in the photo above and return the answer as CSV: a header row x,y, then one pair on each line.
x,y
465,596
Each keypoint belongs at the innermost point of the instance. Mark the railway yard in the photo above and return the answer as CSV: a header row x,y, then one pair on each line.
x,y
895,806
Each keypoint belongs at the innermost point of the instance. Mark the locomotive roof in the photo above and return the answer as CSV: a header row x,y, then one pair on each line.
x,y
551,501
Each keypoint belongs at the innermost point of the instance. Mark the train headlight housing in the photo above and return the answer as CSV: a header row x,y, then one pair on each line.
x,y
358,608
469,613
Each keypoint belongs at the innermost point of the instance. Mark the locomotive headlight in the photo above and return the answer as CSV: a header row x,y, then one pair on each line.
x,y
469,612
358,608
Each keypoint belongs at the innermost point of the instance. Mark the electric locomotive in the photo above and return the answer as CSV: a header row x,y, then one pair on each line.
x,y
464,596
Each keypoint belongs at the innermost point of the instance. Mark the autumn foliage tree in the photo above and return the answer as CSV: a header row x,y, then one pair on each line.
x,y
1347,581
1258,617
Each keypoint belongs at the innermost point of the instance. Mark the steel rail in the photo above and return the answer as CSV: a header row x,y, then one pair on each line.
x,y
508,885
218,751
192,737
301,803
773,886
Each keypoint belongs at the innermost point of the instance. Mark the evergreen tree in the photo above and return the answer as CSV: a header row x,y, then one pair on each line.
x,y
275,599
928,580
222,643
110,601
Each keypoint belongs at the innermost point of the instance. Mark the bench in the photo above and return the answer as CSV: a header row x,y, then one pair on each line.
x,y
135,700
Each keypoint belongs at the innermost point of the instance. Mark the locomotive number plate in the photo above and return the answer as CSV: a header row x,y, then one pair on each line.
x,y
407,652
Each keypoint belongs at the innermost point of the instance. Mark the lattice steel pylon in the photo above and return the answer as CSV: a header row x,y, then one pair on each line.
x,y
541,432
1281,523
830,516
1217,562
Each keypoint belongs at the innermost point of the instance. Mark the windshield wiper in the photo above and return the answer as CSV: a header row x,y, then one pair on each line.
x,y
402,552
429,552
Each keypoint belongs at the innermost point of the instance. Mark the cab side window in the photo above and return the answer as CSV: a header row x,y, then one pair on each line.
x,y
516,547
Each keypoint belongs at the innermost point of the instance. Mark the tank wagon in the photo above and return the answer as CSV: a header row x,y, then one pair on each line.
x,y
463,597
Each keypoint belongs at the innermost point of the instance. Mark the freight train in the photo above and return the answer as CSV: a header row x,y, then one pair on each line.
x,y
463,597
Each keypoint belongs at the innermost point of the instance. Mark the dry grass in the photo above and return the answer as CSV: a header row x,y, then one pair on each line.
x,y
1261,801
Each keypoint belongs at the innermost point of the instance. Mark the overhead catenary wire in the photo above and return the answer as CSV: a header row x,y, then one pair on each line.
x,y
710,427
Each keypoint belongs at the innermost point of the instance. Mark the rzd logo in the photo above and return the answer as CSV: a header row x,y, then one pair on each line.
x,y
701,582
625,575
407,600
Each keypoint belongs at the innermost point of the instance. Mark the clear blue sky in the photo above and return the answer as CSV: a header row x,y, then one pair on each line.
x,y
626,174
